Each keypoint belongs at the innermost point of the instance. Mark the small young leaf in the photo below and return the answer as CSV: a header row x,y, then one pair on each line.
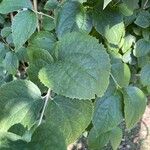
x,y
82,69
97,140
135,104
11,63
115,138
23,26
71,116
7,6
145,75
20,102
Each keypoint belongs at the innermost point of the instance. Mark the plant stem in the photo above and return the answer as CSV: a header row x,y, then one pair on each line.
x,y
43,14
115,81
35,8
144,6
45,104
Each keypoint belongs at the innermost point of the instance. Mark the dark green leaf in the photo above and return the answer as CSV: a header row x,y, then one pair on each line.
x,y
7,6
23,26
135,104
108,113
145,75
71,116
82,69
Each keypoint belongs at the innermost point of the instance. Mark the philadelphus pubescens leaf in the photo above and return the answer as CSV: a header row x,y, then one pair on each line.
x,y
145,75
23,26
20,102
108,113
47,137
72,17
133,98
106,2
109,23
142,48
82,69
71,116
7,6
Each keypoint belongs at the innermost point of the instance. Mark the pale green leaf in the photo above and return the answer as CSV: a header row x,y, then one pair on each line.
x,y
7,6
115,137
108,113
135,104
106,2
23,26
82,69
145,75
132,4
71,116
142,48
20,102
129,40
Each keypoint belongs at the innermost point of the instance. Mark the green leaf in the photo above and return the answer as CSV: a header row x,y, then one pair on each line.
x,y
10,141
145,75
20,102
48,24
132,4
2,52
129,40
133,98
72,17
124,9
109,23
108,113
82,69
97,141
71,116
23,26
47,137
106,2
11,63
7,6
115,138
142,48
38,58
51,4
144,60
5,32
43,40
143,19
121,73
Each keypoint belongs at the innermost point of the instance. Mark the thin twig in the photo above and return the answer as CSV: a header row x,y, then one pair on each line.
x,y
144,6
115,81
11,16
36,10
43,14
45,104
